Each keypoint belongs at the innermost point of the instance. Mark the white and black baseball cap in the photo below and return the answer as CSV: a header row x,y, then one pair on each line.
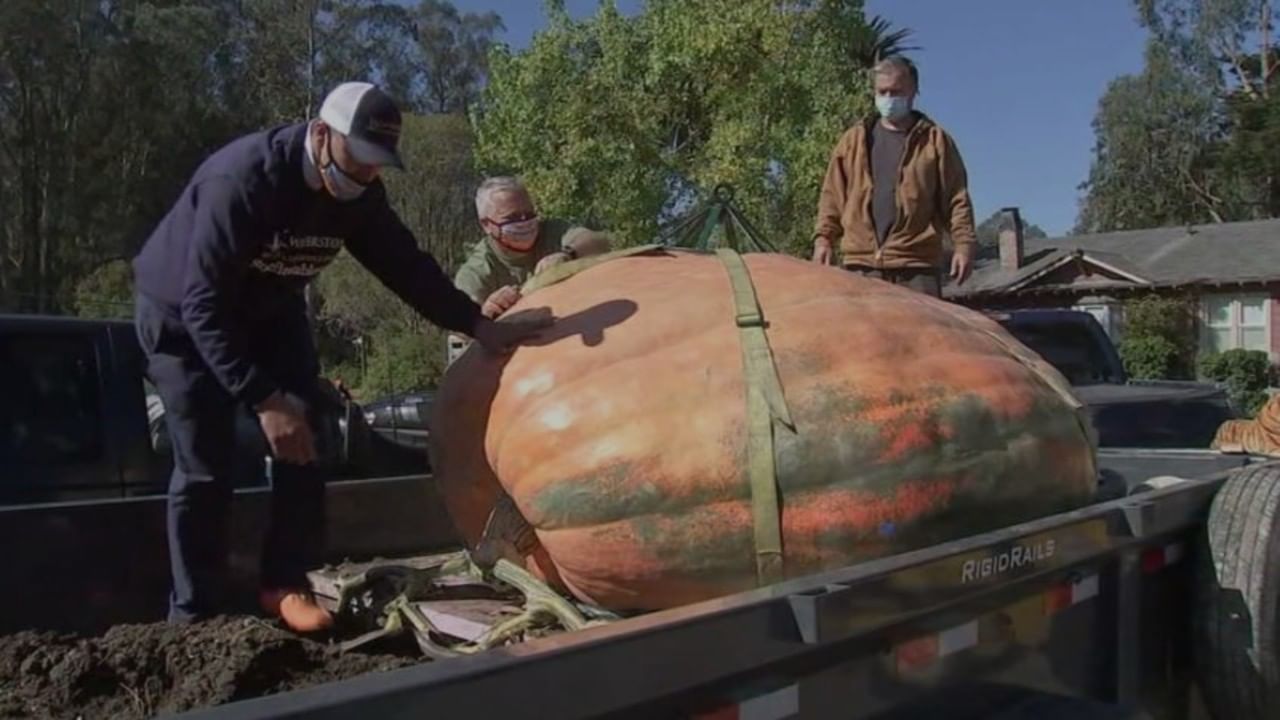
x,y
369,120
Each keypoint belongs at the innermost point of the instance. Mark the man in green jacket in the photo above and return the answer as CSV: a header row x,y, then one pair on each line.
x,y
894,186
517,245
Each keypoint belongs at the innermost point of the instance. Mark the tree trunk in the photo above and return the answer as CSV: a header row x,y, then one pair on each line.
x,y
1265,29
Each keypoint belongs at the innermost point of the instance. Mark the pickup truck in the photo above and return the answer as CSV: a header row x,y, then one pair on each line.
x,y
1125,412
80,422
85,462
1153,602
401,420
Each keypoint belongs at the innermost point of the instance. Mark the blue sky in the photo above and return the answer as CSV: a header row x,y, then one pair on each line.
x,y
1016,82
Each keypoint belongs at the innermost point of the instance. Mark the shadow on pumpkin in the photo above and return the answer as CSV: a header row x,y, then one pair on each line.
x,y
459,426
589,324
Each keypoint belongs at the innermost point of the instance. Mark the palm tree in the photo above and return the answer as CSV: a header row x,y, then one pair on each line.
x,y
877,40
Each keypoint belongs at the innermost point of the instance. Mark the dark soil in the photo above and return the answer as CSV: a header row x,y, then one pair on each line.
x,y
138,671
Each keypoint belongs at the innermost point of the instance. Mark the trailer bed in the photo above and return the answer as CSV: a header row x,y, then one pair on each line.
x,y
1067,606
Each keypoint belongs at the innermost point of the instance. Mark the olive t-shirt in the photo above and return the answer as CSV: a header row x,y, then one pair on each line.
x,y
887,147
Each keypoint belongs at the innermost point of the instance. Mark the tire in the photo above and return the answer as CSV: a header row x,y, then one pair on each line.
x,y
1237,588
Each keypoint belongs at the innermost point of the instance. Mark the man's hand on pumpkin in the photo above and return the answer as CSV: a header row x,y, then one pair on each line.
x,y
500,338
551,261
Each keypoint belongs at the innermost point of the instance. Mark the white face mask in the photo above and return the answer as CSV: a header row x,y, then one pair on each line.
x,y
520,233
344,187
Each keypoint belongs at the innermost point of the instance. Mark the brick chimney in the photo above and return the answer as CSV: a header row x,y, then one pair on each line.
x,y
1011,244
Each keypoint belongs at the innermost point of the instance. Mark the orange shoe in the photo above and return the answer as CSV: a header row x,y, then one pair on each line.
x,y
298,610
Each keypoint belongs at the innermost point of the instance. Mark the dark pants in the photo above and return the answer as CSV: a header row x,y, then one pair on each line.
x,y
925,280
201,417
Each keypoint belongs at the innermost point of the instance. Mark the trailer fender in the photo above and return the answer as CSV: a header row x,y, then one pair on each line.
x,y
1236,616
1159,482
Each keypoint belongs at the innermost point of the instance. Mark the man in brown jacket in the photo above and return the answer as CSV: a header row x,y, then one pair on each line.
x,y
893,187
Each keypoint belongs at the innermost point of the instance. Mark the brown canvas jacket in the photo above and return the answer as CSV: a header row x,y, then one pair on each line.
x,y
933,199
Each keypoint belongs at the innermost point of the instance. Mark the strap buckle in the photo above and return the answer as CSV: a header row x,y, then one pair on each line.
x,y
754,318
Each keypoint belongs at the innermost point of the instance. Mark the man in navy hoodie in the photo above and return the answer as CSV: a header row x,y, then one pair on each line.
x,y
222,319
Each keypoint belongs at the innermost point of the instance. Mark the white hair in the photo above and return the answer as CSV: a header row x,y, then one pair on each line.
x,y
898,64
502,183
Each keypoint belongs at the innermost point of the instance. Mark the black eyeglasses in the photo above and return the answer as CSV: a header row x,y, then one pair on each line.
x,y
514,221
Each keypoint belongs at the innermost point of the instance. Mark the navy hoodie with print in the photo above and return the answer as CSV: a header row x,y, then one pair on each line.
x,y
248,234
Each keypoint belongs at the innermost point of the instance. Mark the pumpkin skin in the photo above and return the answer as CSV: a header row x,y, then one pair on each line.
x,y
620,435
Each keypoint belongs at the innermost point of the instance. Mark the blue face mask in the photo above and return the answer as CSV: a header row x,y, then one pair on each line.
x,y
892,107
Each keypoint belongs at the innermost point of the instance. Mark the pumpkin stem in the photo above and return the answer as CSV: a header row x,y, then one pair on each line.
x,y
540,606
538,595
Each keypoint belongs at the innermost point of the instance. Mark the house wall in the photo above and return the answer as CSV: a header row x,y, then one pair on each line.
x,y
1073,300
1272,310
1275,325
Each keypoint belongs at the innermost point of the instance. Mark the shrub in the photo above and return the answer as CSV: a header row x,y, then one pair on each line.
x,y
1247,373
402,360
1160,337
1149,357
106,292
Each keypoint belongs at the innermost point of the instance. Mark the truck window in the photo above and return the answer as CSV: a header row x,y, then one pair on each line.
x,y
1069,347
51,414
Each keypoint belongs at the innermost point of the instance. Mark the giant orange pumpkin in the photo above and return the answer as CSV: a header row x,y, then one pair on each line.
x,y
620,434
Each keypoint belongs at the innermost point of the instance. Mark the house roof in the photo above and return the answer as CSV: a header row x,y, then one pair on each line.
x,y
1226,253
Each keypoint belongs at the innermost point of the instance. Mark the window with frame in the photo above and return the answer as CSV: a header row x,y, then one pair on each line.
x,y
51,412
1231,322
1103,313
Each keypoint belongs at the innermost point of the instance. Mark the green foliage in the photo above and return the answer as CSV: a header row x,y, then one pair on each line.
x,y
1154,161
107,107
401,361
1190,139
434,197
1160,316
1255,123
1247,374
1159,336
619,120
988,234
100,117
1149,357
453,48
107,292
988,231
370,338
877,39
1208,37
